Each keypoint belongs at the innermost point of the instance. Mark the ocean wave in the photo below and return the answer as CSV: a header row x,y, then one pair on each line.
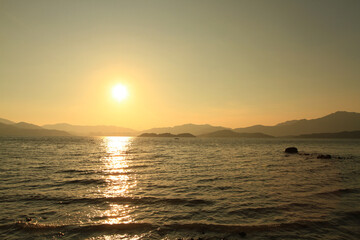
x,y
74,228
196,227
204,229
73,171
154,200
210,179
339,192
83,182
155,156
99,200
96,172
351,215
244,228
273,209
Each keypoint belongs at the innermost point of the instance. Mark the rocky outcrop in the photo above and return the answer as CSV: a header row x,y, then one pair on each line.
x,y
291,150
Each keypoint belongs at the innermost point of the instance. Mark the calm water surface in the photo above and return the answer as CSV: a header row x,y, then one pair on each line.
x,y
163,188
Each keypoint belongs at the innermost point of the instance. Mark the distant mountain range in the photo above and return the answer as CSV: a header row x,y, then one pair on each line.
x,y
10,128
332,123
25,129
338,122
186,128
231,134
92,130
5,121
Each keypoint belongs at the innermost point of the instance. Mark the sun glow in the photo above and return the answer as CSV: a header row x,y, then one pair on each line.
x,y
119,92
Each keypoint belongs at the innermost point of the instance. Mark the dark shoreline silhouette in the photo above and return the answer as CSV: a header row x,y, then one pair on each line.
x,y
346,134
166,135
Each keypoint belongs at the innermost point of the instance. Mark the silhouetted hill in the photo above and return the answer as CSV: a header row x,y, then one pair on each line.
x,y
5,121
332,123
92,130
26,125
232,134
166,135
188,128
185,135
12,130
352,134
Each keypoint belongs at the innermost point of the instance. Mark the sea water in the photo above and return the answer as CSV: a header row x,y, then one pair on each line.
x,y
166,188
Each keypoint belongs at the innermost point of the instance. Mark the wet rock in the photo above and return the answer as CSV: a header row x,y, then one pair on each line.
x,y
242,234
291,150
324,156
28,219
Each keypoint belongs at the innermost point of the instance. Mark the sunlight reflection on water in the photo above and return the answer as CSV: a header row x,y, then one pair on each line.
x,y
118,182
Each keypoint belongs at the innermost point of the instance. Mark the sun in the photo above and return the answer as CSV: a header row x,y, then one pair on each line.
x,y
119,92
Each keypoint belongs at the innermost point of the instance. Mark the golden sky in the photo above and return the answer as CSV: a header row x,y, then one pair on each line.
x,y
229,63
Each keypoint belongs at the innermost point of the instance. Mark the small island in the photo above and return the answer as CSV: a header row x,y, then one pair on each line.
x,y
166,135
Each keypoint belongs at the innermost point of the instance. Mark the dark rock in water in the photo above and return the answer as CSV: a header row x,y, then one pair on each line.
x,y
242,234
291,150
28,219
326,156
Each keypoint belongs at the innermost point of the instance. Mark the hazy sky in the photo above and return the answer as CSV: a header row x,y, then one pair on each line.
x,y
229,63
